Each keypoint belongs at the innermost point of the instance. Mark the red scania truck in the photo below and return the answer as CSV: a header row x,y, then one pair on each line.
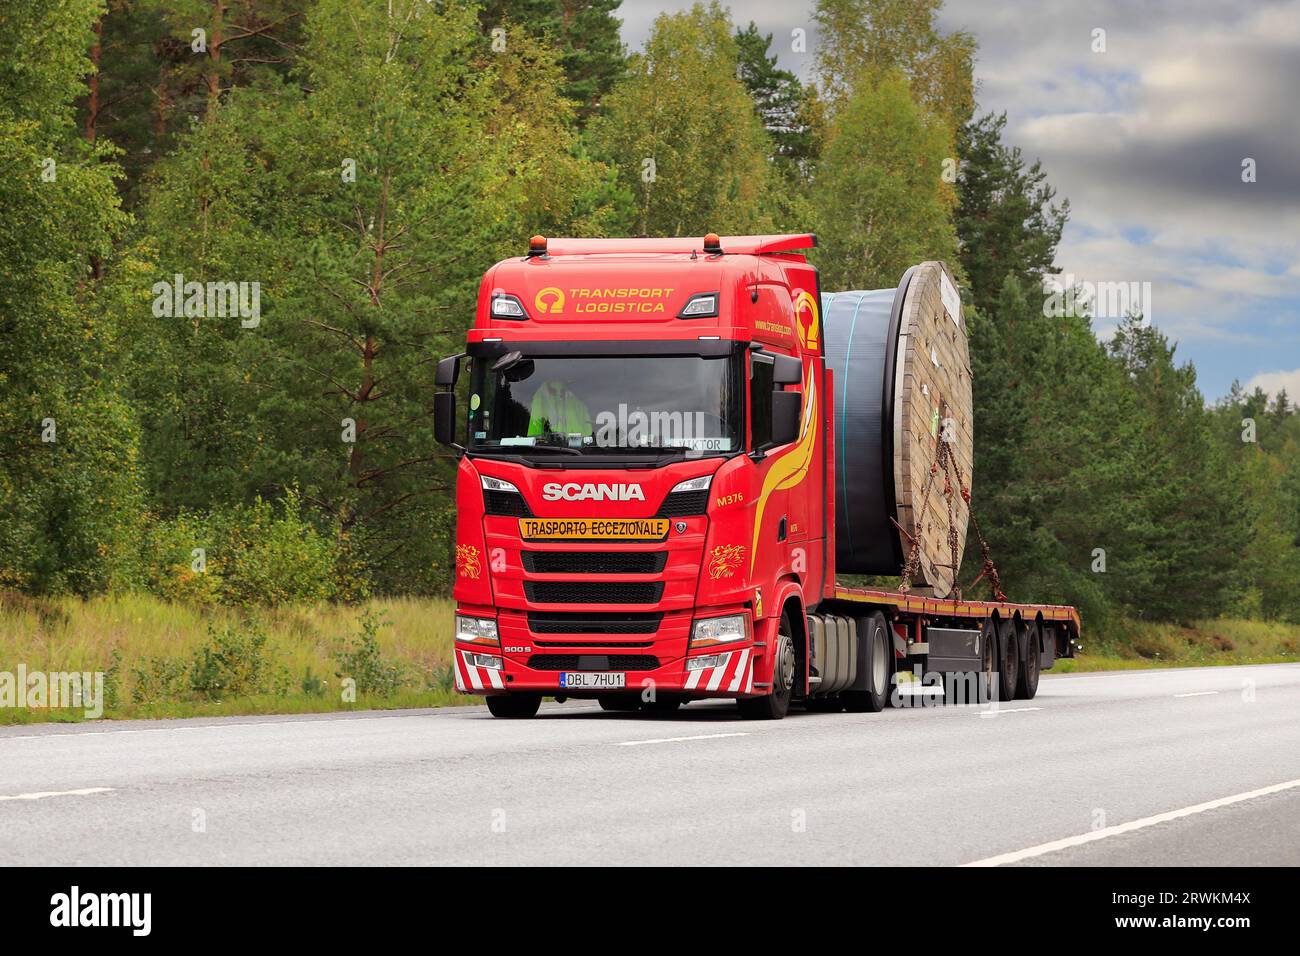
x,y
646,486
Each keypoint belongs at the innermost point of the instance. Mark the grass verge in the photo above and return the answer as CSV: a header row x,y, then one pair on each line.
x,y
164,659
1225,641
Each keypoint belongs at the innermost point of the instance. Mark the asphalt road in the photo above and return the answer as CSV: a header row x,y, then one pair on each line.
x,y
1134,768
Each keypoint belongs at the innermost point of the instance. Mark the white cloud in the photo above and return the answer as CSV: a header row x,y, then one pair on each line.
x,y
1273,382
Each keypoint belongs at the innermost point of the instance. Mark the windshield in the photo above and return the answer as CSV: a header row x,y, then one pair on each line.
x,y
590,405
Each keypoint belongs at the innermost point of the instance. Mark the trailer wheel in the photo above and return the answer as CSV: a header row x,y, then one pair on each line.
x,y
514,706
1031,667
879,655
988,663
773,706
1008,661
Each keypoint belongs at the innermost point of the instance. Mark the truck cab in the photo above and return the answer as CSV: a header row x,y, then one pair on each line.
x,y
642,433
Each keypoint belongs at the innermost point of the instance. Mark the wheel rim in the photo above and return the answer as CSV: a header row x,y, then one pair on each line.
x,y
879,665
783,674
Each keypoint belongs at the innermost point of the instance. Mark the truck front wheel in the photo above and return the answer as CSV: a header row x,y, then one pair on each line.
x,y
514,706
774,705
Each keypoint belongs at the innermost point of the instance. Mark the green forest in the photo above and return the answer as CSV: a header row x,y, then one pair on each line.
x,y
349,170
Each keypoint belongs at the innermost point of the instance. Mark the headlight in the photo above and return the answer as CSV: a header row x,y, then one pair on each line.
x,y
719,630
693,484
477,630
497,484
701,306
505,306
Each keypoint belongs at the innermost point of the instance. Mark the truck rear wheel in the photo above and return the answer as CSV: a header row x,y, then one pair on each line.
x,y
514,706
773,706
1031,667
873,631
1008,661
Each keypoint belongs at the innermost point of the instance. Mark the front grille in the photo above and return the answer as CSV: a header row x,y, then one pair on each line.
x,y
603,645
593,592
508,503
593,662
684,504
587,622
595,562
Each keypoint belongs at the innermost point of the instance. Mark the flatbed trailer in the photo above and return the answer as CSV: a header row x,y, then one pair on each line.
x,y
646,496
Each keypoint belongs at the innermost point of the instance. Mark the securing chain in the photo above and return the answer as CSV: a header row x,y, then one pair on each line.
x,y
945,460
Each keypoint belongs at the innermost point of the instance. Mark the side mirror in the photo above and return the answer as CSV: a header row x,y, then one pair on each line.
x,y
787,369
444,416
785,417
448,371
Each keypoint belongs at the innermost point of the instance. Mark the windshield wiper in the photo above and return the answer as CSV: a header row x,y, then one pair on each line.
x,y
516,450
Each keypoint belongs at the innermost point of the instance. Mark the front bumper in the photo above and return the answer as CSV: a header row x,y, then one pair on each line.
x,y
730,675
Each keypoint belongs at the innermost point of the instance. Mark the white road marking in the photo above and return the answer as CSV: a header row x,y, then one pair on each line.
x,y
328,717
42,794
1008,710
1132,825
1199,693
673,740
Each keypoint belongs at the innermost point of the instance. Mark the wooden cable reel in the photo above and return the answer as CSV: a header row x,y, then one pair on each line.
x,y
902,384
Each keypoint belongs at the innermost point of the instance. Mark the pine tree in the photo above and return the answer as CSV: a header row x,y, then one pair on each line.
x,y
779,97
585,33
1005,218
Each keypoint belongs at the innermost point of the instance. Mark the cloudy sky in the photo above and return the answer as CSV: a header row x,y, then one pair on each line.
x,y
1147,140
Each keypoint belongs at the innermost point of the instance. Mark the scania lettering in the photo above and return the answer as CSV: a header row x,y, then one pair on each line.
x,y
575,492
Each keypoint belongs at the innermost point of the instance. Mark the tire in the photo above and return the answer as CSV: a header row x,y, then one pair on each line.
x,y
878,660
1008,661
774,705
988,663
624,703
514,706
1031,665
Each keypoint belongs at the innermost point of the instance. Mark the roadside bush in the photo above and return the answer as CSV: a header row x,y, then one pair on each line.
x,y
361,659
264,553
158,680
235,662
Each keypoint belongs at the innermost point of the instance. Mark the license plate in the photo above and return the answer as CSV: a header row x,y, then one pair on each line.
x,y
592,680
593,529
